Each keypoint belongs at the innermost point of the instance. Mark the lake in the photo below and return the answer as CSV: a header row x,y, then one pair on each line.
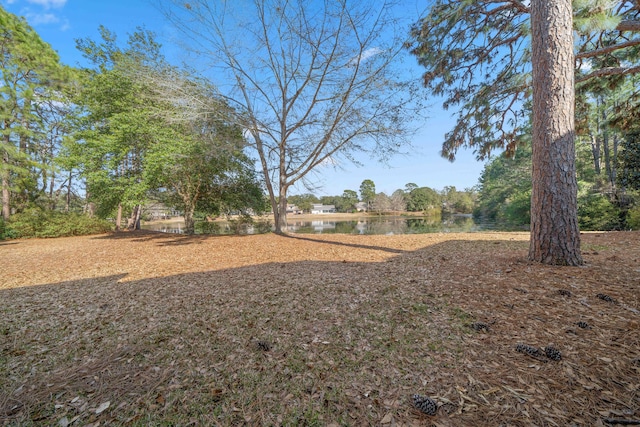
x,y
360,225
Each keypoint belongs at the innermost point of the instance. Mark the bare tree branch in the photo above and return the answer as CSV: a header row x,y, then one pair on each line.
x,y
608,49
313,82
628,26
609,71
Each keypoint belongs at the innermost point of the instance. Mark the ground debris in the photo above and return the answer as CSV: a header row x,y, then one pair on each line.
x,y
167,327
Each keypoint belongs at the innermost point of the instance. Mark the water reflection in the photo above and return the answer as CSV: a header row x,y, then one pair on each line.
x,y
363,225
386,225
176,227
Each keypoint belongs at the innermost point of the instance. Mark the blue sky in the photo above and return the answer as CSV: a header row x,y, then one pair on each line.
x,y
61,22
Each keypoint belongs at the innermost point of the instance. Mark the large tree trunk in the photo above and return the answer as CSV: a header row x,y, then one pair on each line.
x,y
279,205
280,213
555,237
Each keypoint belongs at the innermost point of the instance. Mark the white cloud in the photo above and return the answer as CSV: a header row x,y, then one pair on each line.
x,y
39,12
369,53
373,51
48,4
42,18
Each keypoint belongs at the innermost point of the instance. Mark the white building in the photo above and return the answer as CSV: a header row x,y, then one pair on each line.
x,y
323,209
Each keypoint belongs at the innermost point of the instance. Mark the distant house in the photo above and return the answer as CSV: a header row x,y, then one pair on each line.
x,y
323,209
156,210
293,209
361,206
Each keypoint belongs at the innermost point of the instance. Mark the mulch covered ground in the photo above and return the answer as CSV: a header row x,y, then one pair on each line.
x,y
327,330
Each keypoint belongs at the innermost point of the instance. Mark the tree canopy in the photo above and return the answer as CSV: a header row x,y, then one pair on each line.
x,y
31,80
477,56
133,138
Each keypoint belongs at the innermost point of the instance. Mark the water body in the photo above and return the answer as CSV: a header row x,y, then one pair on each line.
x,y
385,225
364,225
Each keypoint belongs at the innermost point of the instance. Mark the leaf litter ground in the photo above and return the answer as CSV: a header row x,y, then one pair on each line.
x,y
147,328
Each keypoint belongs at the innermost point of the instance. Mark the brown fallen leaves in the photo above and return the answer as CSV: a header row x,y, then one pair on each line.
x,y
143,328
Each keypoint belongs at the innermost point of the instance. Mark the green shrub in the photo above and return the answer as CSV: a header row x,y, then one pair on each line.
x,y
245,224
262,226
207,227
432,212
6,232
633,218
35,222
240,225
516,210
596,212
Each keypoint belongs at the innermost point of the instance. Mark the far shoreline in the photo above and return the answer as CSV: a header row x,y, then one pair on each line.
x,y
303,217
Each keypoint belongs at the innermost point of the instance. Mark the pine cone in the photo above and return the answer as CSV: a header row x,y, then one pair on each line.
x,y
606,298
263,345
527,349
583,325
552,353
425,404
478,326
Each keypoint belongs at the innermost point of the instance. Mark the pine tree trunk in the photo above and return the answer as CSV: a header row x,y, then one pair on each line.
x,y
555,237
614,164
595,150
68,201
606,152
6,196
53,200
6,192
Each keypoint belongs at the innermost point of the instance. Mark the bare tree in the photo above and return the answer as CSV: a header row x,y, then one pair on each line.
x,y
381,203
398,201
312,82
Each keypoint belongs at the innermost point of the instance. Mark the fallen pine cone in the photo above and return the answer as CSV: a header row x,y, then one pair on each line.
x,y
606,298
263,345
527,349
478,326
425,404
552,353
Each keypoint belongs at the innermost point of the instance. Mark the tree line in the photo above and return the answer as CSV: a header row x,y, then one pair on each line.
x,y
104,140
303,86
412,198
132,126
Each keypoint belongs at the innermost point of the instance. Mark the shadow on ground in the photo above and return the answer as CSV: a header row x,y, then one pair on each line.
x,y
315,343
